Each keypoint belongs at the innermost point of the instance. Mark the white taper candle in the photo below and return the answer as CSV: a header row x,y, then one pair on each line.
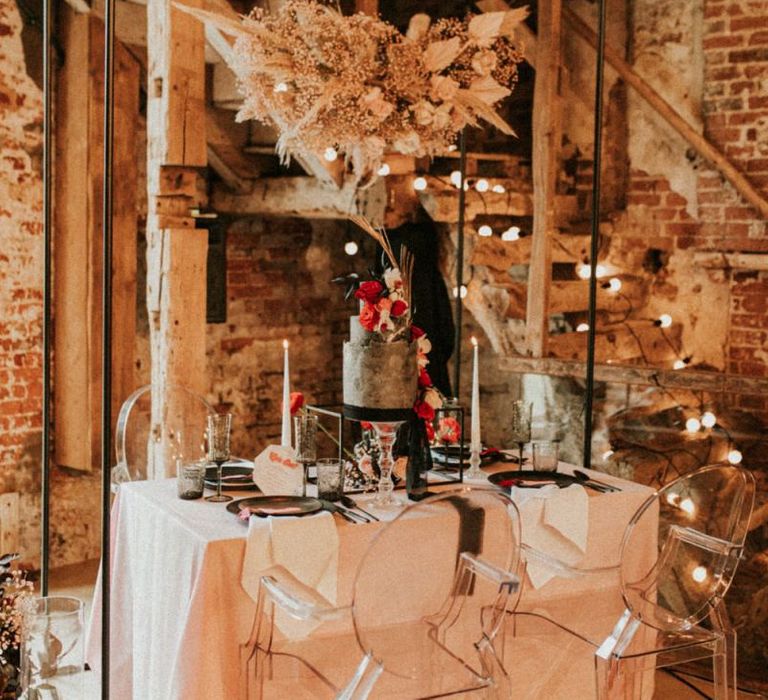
x,y
475,444
285,439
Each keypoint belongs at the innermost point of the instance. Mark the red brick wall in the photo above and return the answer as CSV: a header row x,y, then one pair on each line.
x,y
279,275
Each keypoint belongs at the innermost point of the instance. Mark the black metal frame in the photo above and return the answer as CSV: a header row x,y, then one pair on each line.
x,y
106,398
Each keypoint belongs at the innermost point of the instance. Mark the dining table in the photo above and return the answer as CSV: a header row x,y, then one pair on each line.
x,y
180,614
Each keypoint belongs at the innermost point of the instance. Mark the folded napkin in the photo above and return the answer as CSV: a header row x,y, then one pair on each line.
x,y
554,521
307,548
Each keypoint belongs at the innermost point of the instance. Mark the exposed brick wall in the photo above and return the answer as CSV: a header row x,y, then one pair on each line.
x,y
279,275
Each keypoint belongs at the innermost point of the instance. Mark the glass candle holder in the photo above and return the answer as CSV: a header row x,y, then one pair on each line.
x,y
330,479
190,479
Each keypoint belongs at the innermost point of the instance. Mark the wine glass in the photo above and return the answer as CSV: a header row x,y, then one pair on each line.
x,y
219,426
305,425
521,414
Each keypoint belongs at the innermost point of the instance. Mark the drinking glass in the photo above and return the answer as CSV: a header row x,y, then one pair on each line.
x,y
305,425
219,426
330,477
190,479
521,413
52,663
545,456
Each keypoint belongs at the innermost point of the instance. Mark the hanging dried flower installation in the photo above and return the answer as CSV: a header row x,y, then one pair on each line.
x,y
357,85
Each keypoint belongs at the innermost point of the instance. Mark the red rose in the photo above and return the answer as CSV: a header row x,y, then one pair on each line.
x,y
369,291
297,401
416,333
424,379
448,430
365,425
430,430
369,317
424,410
398,308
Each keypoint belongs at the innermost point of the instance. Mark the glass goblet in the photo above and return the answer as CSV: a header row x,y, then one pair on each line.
x,y
305,425
521,413
218,433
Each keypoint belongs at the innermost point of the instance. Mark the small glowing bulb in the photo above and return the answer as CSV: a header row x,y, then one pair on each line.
x,y
281,87
673,498
607,455
582,328
708,419
678,364
687,505
456,178
499,189
420,184
452,148
699,574
511,234
463,292
384,170
600,270
614,284
482,185
350,248
285,344
693,425
474,341
330,154
583,271
485,230
665,320
735,457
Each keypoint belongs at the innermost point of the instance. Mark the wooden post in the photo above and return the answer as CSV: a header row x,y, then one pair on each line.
x,y
176,251
77,249
546,137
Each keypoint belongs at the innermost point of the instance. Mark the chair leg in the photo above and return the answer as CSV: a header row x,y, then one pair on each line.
x,y
366,675
501,686
721,621
603,678
721,672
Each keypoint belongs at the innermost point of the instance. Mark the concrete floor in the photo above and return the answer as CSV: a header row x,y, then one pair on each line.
x,y
78,581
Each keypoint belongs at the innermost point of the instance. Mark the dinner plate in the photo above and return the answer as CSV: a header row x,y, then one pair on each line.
x,y
526,478
264,506
234,477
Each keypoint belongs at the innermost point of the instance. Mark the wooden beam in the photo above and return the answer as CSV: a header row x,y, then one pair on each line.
x,y
500,255
684,380
573,295
441,203
77,230
368,7
731,261
547,137
176,256
619,343
701,145
304,197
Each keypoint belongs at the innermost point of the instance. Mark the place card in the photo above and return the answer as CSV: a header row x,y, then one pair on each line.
x,y
277,472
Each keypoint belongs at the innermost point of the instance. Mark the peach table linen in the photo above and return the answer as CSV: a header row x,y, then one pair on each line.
x,y
179,613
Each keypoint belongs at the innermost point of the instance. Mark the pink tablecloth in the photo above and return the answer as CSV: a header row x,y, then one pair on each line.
x,y
179,613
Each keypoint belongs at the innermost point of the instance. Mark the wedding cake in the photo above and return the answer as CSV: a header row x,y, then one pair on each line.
x,y
380,378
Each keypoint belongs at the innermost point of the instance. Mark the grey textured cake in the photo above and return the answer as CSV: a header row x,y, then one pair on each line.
x,y
380,379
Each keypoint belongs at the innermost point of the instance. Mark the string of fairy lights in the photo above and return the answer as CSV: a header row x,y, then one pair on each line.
x,y
700,419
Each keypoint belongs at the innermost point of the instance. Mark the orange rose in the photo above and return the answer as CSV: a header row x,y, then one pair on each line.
x,y
369,317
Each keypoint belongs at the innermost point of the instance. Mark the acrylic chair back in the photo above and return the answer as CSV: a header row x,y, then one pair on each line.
x,y
147,448
703,519
431,592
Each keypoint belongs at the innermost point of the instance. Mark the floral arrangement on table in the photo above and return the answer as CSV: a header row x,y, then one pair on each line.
x,y
15,590
358,85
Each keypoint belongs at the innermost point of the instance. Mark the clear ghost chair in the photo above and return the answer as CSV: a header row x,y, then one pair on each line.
x,y
427,601
678,557
181,434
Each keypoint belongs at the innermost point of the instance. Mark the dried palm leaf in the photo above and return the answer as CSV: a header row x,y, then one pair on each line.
x,y
379,235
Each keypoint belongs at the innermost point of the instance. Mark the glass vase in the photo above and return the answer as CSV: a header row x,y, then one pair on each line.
x,y
52,664
385,436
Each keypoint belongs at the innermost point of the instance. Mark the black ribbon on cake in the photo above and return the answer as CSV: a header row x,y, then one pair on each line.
x,y
377,415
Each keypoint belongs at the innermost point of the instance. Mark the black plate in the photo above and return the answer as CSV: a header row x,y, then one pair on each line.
x,y
531,479
235,477
448,455
276,505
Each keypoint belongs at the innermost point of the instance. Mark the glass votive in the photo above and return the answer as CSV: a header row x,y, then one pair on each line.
x,y
545,456
305,427
52,650
330,477
190,479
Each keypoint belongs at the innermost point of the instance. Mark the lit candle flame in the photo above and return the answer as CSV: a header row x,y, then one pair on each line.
x,y
474,341
285,344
